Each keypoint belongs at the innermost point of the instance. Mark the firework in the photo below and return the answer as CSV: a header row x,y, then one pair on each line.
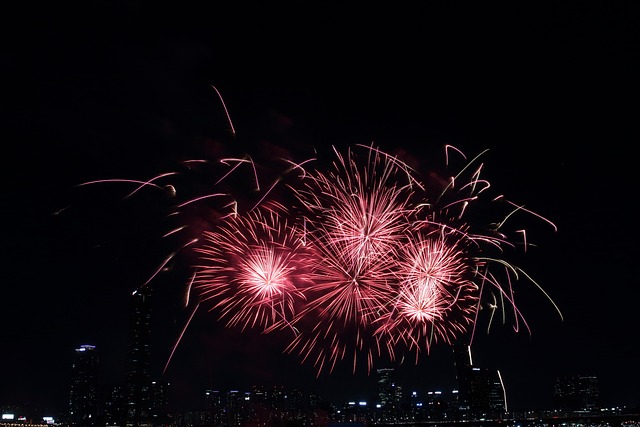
x,y
355,215
253,269
362,260
436,297
398,265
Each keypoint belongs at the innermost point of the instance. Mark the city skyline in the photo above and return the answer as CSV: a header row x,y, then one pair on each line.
x,y
87,379
92,400
544,91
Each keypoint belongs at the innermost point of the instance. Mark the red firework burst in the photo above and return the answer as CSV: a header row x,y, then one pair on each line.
x,y
436,298
253,269
356,216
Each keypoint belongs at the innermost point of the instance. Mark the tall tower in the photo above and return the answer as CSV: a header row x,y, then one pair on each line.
x,y
138,380
83,396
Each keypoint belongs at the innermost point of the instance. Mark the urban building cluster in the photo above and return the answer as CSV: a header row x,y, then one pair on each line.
x,y
142,402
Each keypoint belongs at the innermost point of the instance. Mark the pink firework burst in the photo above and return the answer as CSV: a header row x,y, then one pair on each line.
x,y
359,208
253,269
356,216
436,298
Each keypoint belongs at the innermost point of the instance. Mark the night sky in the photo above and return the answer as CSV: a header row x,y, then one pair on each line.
x,y
120,91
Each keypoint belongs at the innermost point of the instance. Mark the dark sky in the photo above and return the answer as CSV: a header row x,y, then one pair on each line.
x,y
119,91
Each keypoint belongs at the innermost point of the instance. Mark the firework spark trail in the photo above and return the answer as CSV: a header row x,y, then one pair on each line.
x,y
177,342
393,160
224,105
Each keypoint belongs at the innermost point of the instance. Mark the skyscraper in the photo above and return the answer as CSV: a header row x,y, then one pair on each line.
x,y
83,396
138,380
114,405
389,394
576,393
159,403
462,361
486,393
481,391
386,384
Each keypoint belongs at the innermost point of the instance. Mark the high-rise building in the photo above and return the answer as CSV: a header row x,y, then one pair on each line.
x,y
214,406
138,377
389,395
83,396
486,393
114,404
481,391
237,407
576,393
159,403
462,362
386,385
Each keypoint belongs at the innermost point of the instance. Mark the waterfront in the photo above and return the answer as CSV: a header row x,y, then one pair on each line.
x,y
607,420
